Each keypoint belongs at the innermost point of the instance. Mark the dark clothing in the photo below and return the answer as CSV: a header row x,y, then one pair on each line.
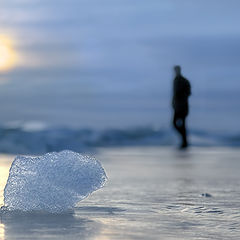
x,y
179,124
181,92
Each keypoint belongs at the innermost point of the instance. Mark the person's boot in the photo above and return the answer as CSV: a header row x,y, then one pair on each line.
x,y
184,145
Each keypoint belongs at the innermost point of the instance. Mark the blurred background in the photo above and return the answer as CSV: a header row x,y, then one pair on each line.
x,y
81,73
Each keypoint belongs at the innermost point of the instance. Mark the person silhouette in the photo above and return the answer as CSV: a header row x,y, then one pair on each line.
x,y
181,93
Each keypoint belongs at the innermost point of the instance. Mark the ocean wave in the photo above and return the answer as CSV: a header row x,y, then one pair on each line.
x,y
22,141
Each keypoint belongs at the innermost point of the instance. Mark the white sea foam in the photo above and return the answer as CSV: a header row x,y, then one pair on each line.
x,y
53,182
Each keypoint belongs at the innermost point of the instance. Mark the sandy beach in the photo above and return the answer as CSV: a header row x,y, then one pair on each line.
x,y
152,193
128,83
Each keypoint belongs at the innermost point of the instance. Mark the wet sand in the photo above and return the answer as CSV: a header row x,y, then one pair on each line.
x,y
152,193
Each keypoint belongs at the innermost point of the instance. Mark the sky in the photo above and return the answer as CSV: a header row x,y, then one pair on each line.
x,y
101,64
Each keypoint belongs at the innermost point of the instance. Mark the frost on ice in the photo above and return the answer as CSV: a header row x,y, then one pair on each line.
x,y
53,182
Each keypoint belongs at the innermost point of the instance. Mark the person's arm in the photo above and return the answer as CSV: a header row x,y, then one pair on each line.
x,y
187,88
173,93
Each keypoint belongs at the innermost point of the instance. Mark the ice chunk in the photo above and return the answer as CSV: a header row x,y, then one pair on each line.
x,y
53,182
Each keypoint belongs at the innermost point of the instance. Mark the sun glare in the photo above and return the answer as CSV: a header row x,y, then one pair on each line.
x,y
7,54
2,231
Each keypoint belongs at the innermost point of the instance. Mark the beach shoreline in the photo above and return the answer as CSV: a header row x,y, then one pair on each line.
x,y
152,193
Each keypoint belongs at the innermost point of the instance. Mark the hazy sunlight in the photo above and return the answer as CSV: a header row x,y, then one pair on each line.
x,y
7,54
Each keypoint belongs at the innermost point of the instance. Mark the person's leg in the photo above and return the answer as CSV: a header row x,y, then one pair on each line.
x,y
179,124
184,133
175,118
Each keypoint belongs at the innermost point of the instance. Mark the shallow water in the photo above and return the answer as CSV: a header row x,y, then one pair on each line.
x,y
152,193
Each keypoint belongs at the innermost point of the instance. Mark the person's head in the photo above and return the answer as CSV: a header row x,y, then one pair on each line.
x,y
177,70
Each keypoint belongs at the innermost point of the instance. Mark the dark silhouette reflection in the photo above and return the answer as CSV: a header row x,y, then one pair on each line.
x,y
181,92
20,225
